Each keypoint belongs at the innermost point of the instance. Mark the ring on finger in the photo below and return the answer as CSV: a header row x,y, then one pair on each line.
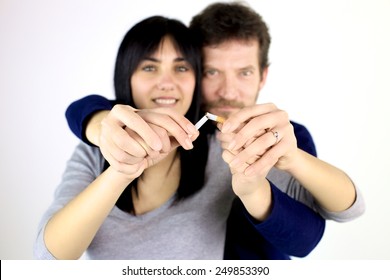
x,y
276,135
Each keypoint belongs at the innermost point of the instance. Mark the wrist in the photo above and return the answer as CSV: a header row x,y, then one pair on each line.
x,y
290,161
297,164
93,127
118,179
259,202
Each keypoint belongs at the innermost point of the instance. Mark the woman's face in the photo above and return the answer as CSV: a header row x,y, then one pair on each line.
x,y
165,79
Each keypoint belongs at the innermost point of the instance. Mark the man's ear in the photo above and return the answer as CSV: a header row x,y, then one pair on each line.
x,y
263,77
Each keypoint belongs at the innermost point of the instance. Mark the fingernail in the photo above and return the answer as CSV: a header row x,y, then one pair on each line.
x,y
189,143
235,162
157,145
232,144
191,128
225,127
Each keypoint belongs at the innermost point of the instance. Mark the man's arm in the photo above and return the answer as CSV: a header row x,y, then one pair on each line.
x,y
81,111
291,229
260,137
306,145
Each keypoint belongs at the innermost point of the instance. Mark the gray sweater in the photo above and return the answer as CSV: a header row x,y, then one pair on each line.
x,y
192,229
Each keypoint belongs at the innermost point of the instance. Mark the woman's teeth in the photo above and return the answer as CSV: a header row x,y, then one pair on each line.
x,y
165,101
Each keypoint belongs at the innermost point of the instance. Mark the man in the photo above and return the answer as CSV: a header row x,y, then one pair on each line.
x,y
258,140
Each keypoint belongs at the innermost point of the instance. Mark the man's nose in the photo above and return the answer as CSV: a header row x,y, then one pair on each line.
x,y
228,88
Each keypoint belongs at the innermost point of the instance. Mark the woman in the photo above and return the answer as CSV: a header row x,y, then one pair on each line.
x,y
169,207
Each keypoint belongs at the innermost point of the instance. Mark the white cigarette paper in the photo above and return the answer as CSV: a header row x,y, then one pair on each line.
x,y
206,117
201,122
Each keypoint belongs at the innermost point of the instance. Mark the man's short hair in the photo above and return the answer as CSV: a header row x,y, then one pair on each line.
x,y
221,22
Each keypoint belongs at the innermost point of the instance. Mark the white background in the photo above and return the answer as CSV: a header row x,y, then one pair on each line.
x,y
330,64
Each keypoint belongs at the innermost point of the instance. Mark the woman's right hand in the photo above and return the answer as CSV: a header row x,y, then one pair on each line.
x,y
132,140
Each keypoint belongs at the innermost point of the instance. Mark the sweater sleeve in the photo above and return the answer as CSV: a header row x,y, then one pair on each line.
x,y
82,168
80,111
305,142
292,226
292,229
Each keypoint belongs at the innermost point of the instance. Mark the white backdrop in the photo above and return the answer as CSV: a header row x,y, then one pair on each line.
x,y
329,66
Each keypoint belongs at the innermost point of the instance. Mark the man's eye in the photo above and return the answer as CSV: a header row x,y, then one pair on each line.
x,y
246,72
210,72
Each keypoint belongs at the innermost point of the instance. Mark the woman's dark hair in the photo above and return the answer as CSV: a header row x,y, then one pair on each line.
x,y
141,41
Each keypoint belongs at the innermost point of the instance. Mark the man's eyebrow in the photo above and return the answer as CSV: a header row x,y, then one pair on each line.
x,y
249,67
207,66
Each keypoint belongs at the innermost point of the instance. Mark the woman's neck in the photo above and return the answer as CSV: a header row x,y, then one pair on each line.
x,y
157,184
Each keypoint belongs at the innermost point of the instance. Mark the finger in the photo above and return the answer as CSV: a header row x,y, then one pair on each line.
x,y
225,139
256,149
228,157
253,159
174,126
246,114
269,159
123,115
181,120
119,142
129,169
140,144
164,138
117,154
258,126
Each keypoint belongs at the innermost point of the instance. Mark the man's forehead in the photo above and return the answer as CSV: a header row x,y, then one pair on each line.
x,y
234,42
233,52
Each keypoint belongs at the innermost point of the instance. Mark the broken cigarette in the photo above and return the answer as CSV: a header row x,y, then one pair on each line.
x,y
215,118
206,117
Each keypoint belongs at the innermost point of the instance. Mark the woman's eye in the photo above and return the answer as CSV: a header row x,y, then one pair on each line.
x,y
149,68
182,68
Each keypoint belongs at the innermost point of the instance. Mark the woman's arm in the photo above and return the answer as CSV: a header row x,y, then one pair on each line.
x,y
71,230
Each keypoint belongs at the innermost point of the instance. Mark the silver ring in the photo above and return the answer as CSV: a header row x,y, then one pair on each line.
x,y
276,135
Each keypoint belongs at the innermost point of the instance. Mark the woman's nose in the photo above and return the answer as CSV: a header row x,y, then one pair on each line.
x,y
166,83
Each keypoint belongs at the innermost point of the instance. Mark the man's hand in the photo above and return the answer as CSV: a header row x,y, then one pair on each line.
x,y
259,137
254,140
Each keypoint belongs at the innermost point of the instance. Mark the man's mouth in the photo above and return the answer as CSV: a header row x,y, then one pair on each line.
x,y
223,107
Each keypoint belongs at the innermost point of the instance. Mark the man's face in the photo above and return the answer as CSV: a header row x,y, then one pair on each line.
x,y
231,76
